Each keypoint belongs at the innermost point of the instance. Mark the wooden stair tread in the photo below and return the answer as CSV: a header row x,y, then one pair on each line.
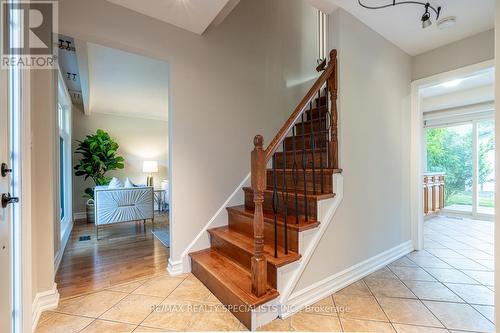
x,y
246,243
269,218
300,195
299,151
308,170
234,277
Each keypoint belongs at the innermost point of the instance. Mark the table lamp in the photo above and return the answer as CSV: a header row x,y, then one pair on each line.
x,y
149,167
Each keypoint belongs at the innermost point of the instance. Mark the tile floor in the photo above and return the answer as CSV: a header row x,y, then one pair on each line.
x,y
447,288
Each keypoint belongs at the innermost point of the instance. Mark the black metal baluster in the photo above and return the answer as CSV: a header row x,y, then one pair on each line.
x,y
304,164
320,130
284,198
327,121
275,208
294,176
312,145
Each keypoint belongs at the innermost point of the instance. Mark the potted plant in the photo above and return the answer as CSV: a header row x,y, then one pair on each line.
x,y
98,156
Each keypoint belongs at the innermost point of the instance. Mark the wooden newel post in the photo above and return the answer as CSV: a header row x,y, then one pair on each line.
x,y
332,87
258,171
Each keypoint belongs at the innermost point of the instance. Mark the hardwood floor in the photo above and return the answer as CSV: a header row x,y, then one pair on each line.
x,y
124,253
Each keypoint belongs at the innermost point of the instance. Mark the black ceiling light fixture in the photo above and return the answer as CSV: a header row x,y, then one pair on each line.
x,y
426,17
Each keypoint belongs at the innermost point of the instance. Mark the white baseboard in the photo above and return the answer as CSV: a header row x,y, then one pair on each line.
x,y
46,300
321,289
174,268
79,215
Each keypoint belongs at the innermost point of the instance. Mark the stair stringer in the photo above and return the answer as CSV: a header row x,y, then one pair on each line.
x,y
288,277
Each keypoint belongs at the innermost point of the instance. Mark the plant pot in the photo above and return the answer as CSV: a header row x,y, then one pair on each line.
x,y
90,211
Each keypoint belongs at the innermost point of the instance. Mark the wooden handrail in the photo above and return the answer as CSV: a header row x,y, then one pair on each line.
x,y
260,157
294,117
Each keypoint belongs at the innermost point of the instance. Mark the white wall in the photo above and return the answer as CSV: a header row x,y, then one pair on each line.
x,y
468,51
374,126
139,140
238,79
44,166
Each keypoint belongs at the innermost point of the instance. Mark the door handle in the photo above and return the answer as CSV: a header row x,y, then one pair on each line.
x,y
5,170
7,199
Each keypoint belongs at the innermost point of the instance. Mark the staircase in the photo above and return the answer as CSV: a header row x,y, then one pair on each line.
x,y
245,263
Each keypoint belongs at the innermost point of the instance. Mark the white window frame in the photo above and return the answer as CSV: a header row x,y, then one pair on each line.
x,y
64,121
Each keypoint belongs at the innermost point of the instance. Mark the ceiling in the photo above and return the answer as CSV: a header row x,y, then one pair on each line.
x,y
125,84
69,68
191,15
482,78
472,89
401,24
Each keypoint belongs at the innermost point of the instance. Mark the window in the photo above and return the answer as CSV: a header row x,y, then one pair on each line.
x,y
466,153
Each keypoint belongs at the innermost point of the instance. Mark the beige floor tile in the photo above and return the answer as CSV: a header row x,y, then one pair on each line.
x,y
487,311
489,264
133,309
324,307
430,262
383,273
359,307
144,329
450,275
191,289
445,253
408,311
412,273
277,325
400,328
53,322
465,264
389,288
457,316
212,299
91,305
419,254
171,316
103,326
403,262
474,294
358,288
214,321
356,325
128,287
476,254
483,277
161,286
315,323
432,291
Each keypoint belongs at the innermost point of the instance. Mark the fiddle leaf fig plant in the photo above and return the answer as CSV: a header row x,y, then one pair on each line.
x,y
98,156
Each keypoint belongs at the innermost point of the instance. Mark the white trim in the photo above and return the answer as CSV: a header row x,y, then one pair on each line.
x,y
218,219
174,268
25,156
46,300
416,158
321,289
326,219
79,215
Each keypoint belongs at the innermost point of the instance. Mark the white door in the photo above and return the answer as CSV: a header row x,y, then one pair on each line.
x,y
5,213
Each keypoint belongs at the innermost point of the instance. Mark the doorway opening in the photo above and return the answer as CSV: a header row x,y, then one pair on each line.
x,y
453,184
113,167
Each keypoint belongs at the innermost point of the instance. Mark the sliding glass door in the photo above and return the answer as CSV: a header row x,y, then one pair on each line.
x,y
485,203
465,152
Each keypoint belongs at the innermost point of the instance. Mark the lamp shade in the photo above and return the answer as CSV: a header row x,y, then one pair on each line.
x,y
150,166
